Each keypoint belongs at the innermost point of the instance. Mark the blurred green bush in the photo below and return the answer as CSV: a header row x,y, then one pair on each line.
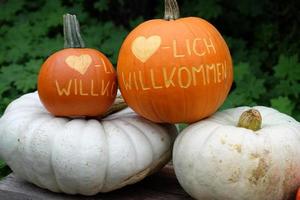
x,y
263,37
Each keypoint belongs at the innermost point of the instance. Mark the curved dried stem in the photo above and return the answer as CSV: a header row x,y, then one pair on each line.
x,y
171,10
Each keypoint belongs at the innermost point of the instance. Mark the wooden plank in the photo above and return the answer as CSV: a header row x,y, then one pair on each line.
x,y
160,186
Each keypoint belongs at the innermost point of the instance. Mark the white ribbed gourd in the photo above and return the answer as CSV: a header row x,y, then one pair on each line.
x,y
216,160
81,156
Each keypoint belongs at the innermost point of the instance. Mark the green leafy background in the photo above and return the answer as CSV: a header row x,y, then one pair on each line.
x,y
263,36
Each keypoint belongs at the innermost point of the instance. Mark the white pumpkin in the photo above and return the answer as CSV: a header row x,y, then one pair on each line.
x,y
81,156
216,160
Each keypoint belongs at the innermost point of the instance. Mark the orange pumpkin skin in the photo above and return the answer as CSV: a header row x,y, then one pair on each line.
x,y
175,71
298,194
77,82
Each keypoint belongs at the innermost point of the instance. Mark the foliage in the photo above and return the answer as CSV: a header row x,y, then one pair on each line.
x,y
4,170
262,36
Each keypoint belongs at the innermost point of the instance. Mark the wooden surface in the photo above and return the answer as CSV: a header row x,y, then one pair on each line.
x,y
160,186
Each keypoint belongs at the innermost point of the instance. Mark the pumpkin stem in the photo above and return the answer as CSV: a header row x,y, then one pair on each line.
x,y
118,105
171,10
72,32
250,119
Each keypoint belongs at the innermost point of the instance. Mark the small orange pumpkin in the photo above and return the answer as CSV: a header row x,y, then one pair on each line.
x,y
174,70
77,81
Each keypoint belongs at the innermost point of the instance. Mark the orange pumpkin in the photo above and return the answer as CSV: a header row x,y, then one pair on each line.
x,y
174,70
77,81
298,194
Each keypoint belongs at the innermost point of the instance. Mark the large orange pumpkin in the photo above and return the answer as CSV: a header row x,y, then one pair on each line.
x,y
77,81
174,70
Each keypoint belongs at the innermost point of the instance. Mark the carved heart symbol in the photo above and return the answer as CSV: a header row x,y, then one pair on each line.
x,y
143,48
79,63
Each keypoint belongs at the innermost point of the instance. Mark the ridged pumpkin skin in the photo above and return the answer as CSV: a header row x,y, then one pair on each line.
x,y
214,159
77,82
175,71
81,156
